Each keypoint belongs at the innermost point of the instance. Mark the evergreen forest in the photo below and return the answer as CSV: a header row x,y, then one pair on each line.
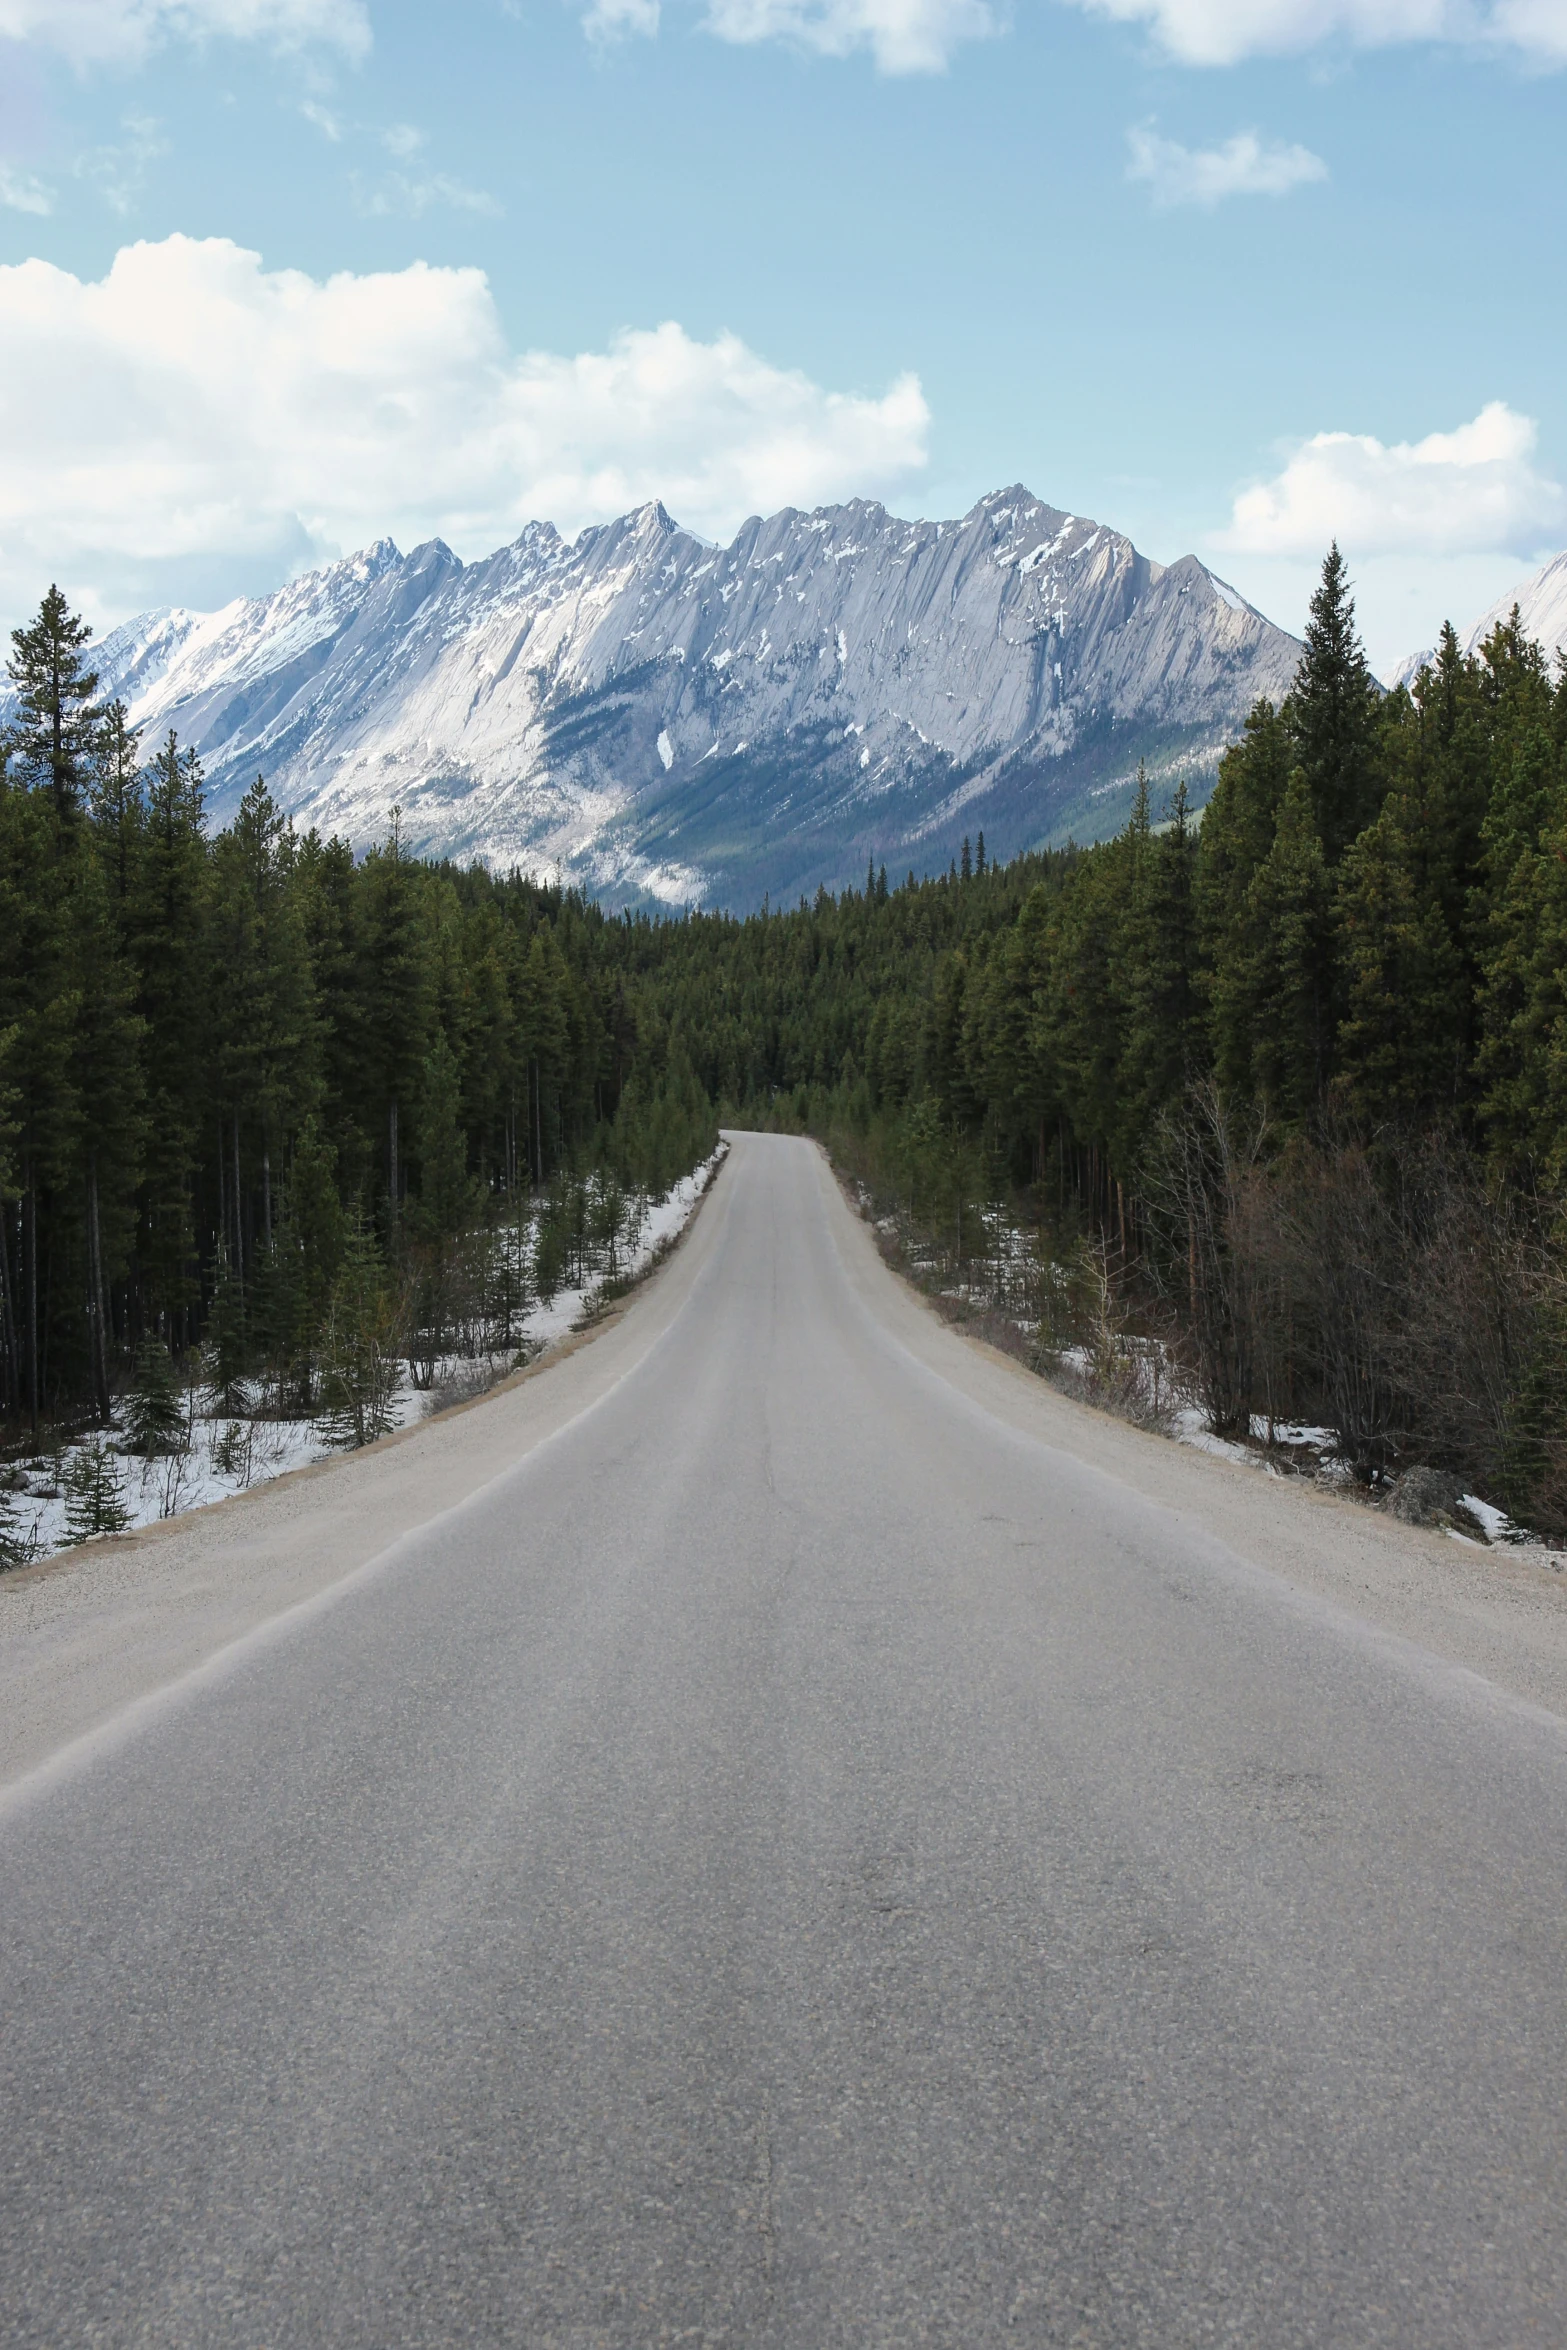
x,y
1290,1078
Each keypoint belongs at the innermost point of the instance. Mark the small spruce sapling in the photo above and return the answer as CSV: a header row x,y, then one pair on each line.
x,y
154,1415
16,1548
94,1497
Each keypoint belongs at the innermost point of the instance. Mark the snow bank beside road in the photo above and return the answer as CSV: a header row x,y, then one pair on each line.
x,y
225,1455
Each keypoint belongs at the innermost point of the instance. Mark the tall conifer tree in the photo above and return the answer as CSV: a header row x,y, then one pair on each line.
x,y
56,721
1332,713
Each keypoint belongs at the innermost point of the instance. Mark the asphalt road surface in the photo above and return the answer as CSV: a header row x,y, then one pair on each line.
x,y
793,1862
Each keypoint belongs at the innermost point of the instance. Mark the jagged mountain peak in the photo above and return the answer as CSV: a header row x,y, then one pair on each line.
x,y
673,720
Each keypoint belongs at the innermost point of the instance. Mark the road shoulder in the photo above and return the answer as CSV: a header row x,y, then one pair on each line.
x,y
1495,1612
92,1632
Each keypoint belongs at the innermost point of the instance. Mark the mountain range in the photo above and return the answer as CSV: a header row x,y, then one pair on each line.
x,y
1542,613
668,721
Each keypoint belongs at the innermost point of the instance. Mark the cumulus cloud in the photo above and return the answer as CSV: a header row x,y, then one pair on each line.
x,y
194,416
1465,492
124,32
903,36
1243,166
1221,32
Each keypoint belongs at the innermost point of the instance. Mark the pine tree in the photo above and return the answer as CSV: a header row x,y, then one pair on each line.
x,y
228,1337
262,1002
1277,988
447,1197
94,1494
359,1366
549,1250
17,1549
119,809
1452,726
1400,1046
40,1002
1081,1023
1162,1047
293,1292
316,1217
154,1418
169,950
544,1043
1239,826
1332,713
1522,1059
56,723
107,1073
1521,909
392,1007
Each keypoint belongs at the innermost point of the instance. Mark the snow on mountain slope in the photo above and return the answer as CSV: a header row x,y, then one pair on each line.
x,y
1542,609
672,721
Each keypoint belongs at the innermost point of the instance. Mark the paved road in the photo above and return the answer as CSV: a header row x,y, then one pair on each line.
x,y
795,1863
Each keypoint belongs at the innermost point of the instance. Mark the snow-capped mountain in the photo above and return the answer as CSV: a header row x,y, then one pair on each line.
x,y
1542,609
674,721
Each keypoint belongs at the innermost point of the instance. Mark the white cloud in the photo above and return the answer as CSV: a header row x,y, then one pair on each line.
x,y
20,192
193,417
1539,26
903,36
1464,492
1243,166
120,173
611,20
1221,32
921,36
124,32
412,194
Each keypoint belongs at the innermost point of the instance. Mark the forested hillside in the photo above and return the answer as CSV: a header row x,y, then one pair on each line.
x,y
1303,1067
241,1069
1300,1069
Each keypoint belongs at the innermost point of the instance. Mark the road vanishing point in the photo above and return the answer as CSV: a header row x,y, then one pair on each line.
x,y
749,1838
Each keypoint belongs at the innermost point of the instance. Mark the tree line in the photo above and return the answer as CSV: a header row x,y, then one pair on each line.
x,y
247,1079
1300,1064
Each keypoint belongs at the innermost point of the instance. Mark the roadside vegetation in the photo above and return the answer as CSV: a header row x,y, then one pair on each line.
x,y
1261,1117
1275,1101
283,1134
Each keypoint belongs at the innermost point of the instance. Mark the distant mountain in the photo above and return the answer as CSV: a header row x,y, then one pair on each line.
x,y
1542,608
671,721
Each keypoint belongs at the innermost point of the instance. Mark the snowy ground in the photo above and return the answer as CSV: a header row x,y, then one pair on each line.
x,y
223,1456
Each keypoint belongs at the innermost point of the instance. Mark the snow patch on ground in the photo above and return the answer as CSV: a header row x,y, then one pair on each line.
x,y
224,1455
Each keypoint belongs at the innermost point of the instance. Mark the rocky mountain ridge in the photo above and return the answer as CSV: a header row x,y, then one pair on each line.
x,y
1542,611
669,721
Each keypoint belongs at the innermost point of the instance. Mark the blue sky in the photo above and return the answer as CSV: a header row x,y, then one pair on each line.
x,y
1141,255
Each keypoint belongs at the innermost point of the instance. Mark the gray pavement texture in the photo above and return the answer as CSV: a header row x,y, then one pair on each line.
x,y
795,1859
